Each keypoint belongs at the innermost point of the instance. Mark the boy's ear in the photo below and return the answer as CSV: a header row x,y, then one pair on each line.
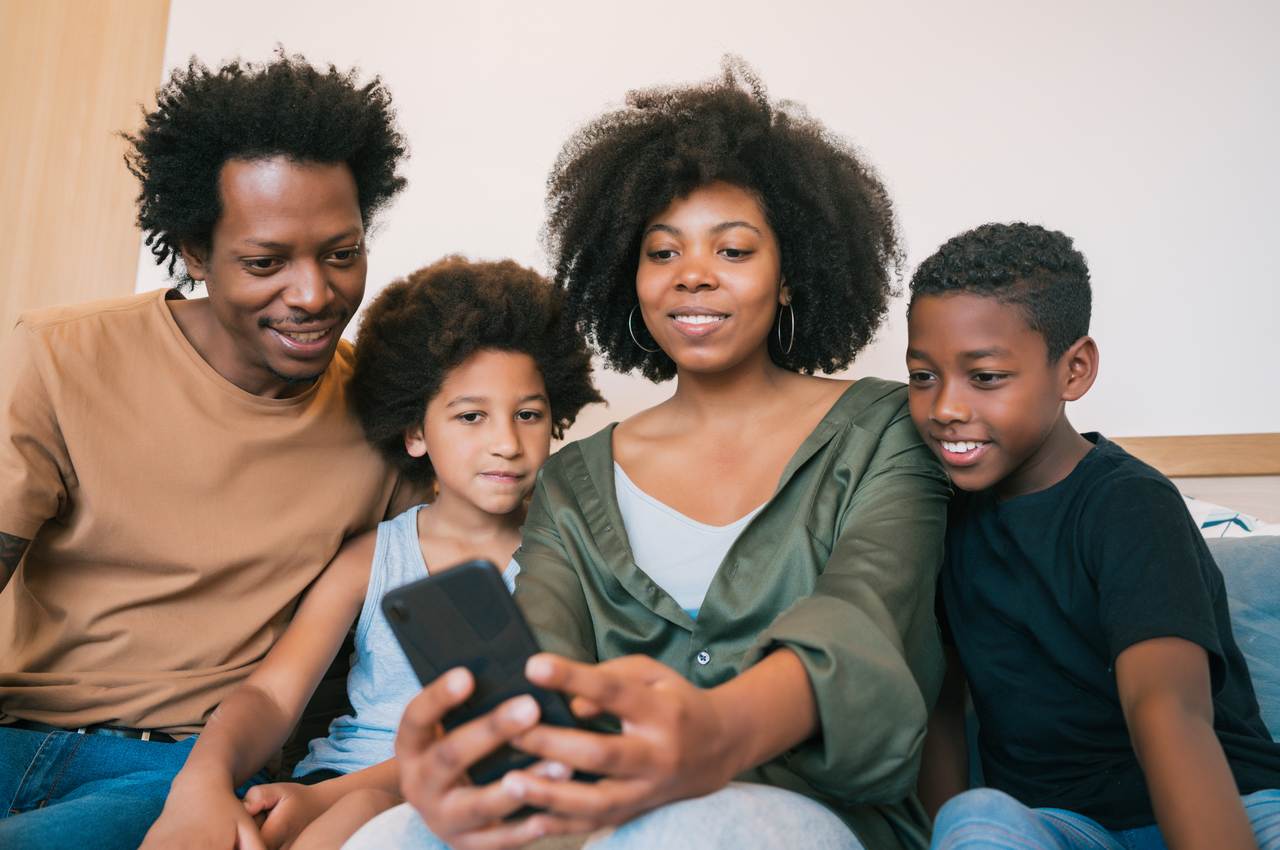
x,y
196,261
415,441
1079,365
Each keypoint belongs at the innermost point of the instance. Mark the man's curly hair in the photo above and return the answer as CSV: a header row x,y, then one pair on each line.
x,y
1038,270
245,110
421,327
833,219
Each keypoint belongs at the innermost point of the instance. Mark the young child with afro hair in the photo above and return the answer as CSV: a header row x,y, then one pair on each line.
x,y
464,373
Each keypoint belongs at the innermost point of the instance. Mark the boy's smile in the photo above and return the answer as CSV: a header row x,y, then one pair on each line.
x,y
985,397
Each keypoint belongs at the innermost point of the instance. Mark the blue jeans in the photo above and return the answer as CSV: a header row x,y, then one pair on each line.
x,y
986,818
63,790
743,816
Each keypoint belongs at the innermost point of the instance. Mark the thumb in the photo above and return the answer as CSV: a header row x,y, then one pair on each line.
x,y
262,797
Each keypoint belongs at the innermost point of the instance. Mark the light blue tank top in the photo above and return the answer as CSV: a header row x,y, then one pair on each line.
x,y
381,682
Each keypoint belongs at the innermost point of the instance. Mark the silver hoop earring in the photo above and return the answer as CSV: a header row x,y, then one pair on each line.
x,y
632,331
792,340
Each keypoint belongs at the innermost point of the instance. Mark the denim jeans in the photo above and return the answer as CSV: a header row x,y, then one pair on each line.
x,y
742,816
990,819
62,790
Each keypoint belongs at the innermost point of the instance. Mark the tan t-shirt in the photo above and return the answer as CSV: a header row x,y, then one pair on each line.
x,y
174,518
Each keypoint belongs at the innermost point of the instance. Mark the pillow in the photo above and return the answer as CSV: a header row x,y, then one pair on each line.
x,y
1251,570
1215,521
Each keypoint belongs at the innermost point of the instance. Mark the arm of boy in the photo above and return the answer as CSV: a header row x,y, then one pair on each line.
x,y
1165,693
944,765
255,719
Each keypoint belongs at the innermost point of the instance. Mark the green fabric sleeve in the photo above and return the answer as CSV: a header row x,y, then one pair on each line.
x,y
548,588
867,635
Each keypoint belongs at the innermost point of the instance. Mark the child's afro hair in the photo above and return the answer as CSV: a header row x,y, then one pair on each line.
x,y
832,216
244,110
1038,270
421,327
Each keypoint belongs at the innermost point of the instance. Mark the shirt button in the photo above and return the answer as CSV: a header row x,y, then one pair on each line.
x,y
704,657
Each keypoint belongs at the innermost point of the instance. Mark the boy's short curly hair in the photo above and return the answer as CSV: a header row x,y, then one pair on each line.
x,y
244,110
421,327
1038,270
833,219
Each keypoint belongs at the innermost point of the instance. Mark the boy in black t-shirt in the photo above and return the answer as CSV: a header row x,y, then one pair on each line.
x,y
1078,598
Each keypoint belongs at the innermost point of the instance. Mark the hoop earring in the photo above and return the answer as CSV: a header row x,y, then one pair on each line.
x,y
792,341
631,330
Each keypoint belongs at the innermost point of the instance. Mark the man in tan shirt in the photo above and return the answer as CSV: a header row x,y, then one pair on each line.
x,y
174,473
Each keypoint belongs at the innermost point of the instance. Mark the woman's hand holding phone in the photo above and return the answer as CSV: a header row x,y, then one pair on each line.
x,y
674,744
676,741
434,763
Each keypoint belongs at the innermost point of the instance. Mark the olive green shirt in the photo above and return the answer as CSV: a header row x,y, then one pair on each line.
x,y
839,567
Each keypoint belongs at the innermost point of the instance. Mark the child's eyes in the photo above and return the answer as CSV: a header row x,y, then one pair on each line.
x,y
919,376
736,253
529,415
989,379
470,417
661,254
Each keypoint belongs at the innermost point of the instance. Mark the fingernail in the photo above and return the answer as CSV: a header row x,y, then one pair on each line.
x,y
524,709
456,681
514,784
537,666
557,770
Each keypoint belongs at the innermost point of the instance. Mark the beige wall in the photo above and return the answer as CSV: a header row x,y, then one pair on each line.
x,y
72,73
1148,131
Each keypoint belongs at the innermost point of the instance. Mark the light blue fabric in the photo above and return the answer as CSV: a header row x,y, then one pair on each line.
x,y
1251,571
743,816
679,553
992,820
381,682
64,791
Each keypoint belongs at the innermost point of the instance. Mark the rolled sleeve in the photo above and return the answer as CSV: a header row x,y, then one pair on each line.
x,y
867,635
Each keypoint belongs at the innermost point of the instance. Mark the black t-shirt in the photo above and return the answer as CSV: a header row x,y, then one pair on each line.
x,y
1039,595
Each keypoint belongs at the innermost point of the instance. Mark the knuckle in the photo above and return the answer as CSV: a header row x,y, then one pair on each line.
x,y
447,755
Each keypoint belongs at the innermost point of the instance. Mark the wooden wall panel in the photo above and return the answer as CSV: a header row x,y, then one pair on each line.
x,y
1208,454
73,73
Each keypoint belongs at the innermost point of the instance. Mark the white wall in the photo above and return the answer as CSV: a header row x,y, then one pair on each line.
x,y
1145,130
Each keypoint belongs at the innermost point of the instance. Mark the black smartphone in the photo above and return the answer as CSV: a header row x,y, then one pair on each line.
x,y
464,617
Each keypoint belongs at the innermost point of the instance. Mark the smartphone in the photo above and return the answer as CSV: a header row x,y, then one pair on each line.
x,y
465,617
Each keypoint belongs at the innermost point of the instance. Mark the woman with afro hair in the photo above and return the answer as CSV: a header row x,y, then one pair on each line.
x,y
741,576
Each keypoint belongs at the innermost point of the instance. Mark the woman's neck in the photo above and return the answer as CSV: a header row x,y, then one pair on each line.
x,y
724,396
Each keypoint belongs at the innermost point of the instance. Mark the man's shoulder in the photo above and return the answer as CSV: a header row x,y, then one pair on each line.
x,y
89,313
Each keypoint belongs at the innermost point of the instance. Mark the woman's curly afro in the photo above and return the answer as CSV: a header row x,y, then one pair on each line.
x,y
831,214
421,327
247,111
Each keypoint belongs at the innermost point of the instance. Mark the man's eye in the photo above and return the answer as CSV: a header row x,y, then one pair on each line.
x,y
261,264
345,255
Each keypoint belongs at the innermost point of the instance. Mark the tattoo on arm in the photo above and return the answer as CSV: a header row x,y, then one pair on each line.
x,y
11,552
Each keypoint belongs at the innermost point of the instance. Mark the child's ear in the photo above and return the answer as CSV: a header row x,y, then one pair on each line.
x,y
196,260
1079,365
415,441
